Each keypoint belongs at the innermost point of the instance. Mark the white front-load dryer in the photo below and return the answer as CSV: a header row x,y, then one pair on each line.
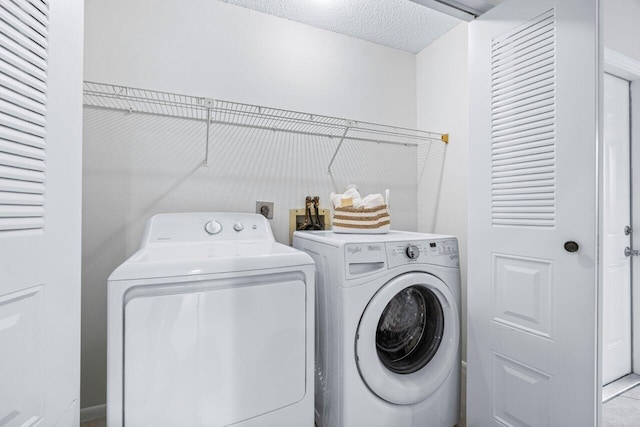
x,y
387,328
210,324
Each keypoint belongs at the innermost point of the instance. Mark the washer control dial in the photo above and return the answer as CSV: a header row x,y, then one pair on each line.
x,y
238,226
412,252
213,227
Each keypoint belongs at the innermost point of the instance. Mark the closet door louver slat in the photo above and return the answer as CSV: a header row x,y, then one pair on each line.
x,y
23,109
523,163
30,21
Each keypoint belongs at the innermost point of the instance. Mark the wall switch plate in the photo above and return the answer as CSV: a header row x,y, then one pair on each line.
x,y
265,208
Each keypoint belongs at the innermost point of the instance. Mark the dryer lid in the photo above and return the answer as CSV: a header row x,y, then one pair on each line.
x,y
191,259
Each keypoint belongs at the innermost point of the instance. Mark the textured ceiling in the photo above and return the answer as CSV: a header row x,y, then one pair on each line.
x,y
400,24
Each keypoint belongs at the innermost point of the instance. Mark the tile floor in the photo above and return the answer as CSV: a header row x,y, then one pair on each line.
x,y
623,411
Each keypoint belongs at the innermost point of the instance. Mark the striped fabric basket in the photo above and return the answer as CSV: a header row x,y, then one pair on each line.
x,y
361,221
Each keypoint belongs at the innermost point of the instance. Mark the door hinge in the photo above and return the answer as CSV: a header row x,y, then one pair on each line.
x,y
631,252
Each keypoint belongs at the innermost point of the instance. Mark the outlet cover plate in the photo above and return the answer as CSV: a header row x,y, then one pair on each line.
x,y
268,205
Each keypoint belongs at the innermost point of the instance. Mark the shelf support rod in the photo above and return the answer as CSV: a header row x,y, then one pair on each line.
x,y
335,153
206,153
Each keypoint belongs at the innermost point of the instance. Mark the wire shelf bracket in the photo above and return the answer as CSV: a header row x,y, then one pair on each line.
x,y
215,111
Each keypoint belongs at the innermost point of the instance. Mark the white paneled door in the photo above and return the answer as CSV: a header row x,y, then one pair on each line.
x,y
616,216
532,280
40,177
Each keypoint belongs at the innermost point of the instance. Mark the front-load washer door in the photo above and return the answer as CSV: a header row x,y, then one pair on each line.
x,y
408,338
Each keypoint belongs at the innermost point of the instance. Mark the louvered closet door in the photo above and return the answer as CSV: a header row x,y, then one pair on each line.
x,y
23,100
532,319
40,175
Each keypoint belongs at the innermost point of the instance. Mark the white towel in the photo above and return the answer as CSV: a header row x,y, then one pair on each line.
x,y
349,198
372,201
336,200
351,193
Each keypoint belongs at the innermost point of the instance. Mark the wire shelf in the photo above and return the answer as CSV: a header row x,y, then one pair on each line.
x,y
246,115
215,111
143,101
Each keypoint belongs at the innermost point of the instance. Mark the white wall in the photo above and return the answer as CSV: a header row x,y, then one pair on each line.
x,y
210,48
620,26
442,101
138,165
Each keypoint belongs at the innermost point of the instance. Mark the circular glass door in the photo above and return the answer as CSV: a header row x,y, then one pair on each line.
x,y
408,338
410,330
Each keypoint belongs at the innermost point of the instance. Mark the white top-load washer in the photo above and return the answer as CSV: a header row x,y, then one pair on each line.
x,y
210,324
387,328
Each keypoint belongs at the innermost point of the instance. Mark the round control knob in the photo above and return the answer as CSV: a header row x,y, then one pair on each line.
x,y
213,227
238,226
412,252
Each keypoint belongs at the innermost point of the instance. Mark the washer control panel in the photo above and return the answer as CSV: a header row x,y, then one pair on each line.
x,y
441,252
367,258
412,252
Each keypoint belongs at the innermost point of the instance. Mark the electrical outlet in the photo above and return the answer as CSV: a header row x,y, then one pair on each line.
x,y
265,208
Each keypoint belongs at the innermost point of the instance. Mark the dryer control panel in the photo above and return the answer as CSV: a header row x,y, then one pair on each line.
x,y
438,252
206,227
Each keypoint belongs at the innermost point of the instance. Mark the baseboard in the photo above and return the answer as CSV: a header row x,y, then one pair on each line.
x,y
93,412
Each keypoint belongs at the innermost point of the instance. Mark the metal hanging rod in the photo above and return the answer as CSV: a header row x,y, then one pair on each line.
x,y
214,111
